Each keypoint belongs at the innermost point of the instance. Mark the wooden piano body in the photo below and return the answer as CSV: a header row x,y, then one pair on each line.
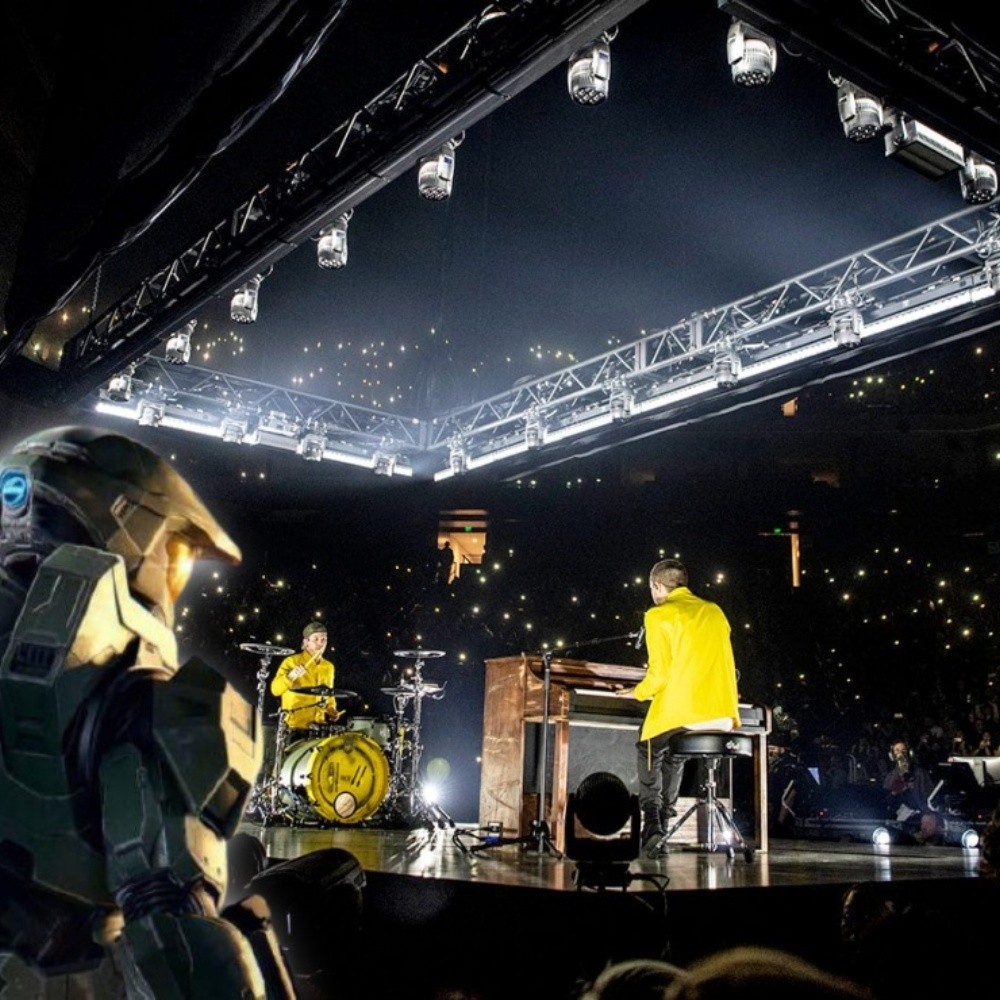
x,y
580,693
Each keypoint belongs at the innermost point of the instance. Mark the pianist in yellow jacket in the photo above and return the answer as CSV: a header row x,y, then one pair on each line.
x,y
690,683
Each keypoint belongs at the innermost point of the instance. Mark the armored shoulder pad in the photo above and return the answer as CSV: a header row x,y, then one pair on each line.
x,y
205,732
78,613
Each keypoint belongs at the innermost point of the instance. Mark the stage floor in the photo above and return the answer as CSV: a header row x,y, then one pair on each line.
x,y
437,854
436,918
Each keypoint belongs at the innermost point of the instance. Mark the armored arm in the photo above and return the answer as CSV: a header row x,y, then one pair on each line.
x,y
170,797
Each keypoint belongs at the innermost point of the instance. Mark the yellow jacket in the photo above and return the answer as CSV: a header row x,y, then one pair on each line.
x,y
691,672
304,709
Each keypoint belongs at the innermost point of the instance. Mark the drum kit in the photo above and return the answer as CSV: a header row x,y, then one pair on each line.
x,y
362,771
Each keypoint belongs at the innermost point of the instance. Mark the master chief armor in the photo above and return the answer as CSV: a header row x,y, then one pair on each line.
x,y
122,776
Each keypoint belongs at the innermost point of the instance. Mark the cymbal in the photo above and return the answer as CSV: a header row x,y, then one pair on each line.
x,y
325,692
410,689
419,654
265,649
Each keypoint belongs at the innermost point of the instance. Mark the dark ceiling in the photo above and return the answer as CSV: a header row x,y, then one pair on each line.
x,y
570,227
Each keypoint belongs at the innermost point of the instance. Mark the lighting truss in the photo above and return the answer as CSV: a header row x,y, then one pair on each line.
x,y
242,411
939,270
478,68
942,268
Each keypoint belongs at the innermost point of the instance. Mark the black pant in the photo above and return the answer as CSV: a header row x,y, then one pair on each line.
x,y
660,774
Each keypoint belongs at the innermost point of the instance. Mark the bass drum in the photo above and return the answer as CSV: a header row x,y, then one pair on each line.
x,y
342,778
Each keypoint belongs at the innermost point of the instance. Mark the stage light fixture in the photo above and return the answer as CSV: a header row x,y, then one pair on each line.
x,y
436,172
620,402
881,836
534,431
726,369
311,447
151,414
753,56
120,387
845,327
597,815
978,178
384,464
243,306
458,460
969,839
178,347
921,147
331,248
589,75
233,431
861,115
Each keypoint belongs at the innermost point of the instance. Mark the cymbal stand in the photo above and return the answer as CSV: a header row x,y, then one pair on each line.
x,y
260,790
415,808
264,798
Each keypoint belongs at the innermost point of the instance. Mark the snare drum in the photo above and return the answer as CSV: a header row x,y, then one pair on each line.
x,y
342,778
377,729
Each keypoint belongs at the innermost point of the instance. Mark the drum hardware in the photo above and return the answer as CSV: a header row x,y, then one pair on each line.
x,y
406,801
266,652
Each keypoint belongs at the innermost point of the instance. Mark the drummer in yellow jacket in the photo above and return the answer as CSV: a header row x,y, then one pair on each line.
x,y
690,683
306,669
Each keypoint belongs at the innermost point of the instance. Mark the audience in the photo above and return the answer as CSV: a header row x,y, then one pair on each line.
x,y
761,972
633,979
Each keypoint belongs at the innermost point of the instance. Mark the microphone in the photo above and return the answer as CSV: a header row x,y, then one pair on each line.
x,y
639,636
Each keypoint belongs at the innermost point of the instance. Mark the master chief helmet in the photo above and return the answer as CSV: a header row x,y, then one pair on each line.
x,y
95,487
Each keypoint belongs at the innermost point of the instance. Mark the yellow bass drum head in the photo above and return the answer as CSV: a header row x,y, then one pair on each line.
x,y
346,777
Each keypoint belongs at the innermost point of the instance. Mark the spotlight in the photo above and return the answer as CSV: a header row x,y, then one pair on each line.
x,y
178,349
978,179
860,114
621,400
458,461
920,147
753,56
312,446
120,388
969,839
845,328
726,368
589,75
436,172
233,431
881,836
534,431
151,414
331,249
243,307
596,817
384,464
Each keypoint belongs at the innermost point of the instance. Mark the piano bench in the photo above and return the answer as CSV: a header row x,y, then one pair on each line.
x,y
721,832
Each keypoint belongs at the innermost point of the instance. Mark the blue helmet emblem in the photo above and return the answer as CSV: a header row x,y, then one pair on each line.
x,y
15,490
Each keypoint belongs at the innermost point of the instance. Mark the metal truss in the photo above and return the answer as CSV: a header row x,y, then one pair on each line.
x,y
944,267
241,411
479,67
932,273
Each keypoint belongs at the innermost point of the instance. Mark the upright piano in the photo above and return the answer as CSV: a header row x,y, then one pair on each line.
x,y
581,694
